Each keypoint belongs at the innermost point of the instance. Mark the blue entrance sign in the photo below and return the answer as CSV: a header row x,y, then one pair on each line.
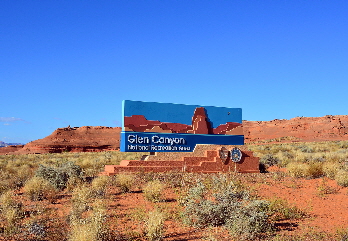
x,y
164,127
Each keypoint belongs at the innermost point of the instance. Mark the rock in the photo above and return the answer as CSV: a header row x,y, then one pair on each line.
x,y
327,128
75,139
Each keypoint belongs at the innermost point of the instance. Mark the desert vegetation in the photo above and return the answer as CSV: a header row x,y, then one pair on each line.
x,y
62,197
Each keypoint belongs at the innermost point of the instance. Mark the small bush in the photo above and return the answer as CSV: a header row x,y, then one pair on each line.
x,y
37,189
37,229
11,211
91,228
306,149
24,173
280,209
342,178
251,221
125,182
330,169
99,185
59,176
155,225
244,217
269,160
296,169
315,170
80,199
153,191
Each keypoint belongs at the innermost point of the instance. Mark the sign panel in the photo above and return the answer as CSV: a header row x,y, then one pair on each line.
x,y
166,127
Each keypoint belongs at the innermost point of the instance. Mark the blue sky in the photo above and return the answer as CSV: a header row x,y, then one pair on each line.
x,y
73,62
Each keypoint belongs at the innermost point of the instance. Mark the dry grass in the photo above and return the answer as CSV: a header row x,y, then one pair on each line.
x,y
153,191
11,211
37,189
342,178
125,181
308,160
155,225
99,185
86,217
90,228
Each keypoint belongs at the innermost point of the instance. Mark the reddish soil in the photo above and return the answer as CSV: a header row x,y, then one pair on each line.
x,y
324,213
322,200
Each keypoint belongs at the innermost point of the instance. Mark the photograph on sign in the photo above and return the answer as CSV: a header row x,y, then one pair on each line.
x,y
167,127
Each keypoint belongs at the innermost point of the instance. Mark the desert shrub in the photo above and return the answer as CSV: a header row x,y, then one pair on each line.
x,y
125,182
330,169
80,199
92,165
24,173
296,169
343,144
280,209
153,191
244,217
59,176
305,149
250,221
315,170
154,225
342,178
7,182
269,160
36,229
12,212
99,185
74,182
91,228
284,158
37,189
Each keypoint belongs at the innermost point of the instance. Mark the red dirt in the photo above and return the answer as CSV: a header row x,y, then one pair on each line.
x,y
327,212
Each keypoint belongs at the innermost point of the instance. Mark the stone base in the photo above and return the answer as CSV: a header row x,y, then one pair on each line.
x,y
205,159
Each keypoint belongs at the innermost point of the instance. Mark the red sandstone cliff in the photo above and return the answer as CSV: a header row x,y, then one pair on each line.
x,y
83,139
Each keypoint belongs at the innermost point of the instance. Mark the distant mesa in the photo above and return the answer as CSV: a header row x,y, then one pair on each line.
x,y
200,125
72,139
4,144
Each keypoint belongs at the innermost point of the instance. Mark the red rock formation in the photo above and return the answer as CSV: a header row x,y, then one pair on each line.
x,y
222,129
200,124
9,149
83,139
325,128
